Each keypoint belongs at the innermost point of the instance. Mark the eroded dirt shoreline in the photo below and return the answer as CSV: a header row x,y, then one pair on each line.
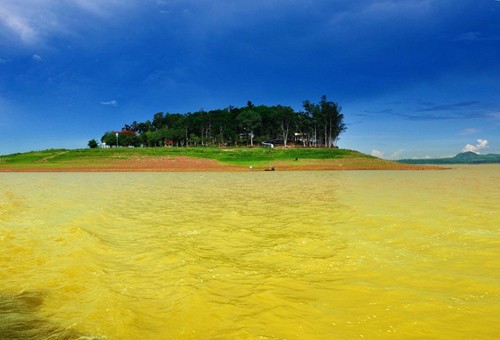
x,y
187,164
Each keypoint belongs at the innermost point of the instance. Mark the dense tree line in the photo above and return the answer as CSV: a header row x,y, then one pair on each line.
x,y
319,125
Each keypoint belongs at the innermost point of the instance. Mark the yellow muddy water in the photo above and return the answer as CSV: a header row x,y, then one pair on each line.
x,y
257,255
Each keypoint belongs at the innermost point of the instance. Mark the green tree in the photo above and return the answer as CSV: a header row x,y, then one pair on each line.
x,y
286,118
92,144
161,136
313,114
327,118
158,121
150,138
303,125
109,138
333,121
269,127
319,124
249,120
127,138
194,139
176,135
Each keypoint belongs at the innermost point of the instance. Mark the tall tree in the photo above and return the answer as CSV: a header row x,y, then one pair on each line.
x,y
333,121
303,125
158,121
313,114
249,120
318,124
327,118
286,118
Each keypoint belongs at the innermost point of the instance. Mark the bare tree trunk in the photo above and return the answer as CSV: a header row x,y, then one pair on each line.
x,y
315,136
209,131
330,134
326,137
284,130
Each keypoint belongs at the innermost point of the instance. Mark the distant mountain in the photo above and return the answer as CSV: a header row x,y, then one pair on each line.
x,y
469,157
462,158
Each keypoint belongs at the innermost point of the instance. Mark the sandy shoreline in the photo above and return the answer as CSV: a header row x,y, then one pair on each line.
x,y
187,164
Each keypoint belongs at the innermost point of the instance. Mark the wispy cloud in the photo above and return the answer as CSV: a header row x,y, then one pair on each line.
x,y
448,107
430,111
377,153
36,57
30,22
470,131
481,144
475,36
434,117
105,8
453,111
493,115
16,23
425,157
110,103
396,154
393,155
366,11
384,111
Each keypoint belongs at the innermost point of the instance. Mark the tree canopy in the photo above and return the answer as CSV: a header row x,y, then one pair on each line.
x,y
319,125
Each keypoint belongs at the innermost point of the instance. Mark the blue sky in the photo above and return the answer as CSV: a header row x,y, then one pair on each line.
x,y
416,78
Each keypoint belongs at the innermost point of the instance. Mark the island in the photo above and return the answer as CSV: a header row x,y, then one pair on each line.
x,y
174,159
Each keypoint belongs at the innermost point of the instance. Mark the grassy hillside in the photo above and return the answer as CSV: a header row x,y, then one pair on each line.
x,y
194,159
231,156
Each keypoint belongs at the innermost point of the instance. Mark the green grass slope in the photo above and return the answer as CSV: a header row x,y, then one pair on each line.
x,y
62,158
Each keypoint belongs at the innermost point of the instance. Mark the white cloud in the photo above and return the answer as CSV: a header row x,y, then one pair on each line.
x,y
481,144
14,21
98,7
110,103
377,153
396,154
36,57
425,157
392,155
469,131
30,22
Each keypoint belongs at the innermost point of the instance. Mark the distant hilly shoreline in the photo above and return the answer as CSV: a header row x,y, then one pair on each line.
x,y
462,158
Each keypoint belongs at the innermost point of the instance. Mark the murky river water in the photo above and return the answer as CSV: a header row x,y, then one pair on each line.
x,y
257,255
